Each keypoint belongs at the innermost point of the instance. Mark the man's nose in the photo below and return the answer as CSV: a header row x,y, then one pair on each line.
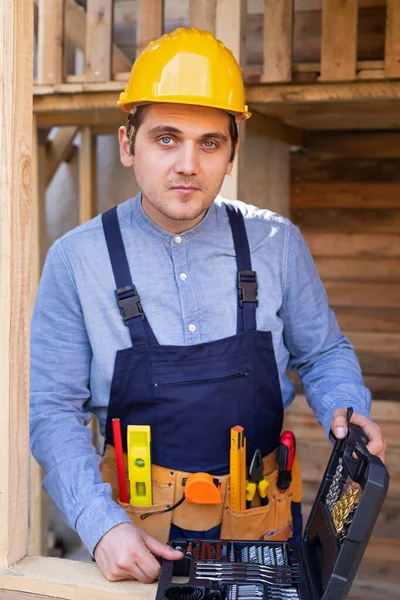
x,y
187,161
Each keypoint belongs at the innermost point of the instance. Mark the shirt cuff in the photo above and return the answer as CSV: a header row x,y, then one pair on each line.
x,y
342,404
99,517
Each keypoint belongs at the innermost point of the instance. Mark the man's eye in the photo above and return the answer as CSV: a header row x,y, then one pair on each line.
x,y
166,140
209,144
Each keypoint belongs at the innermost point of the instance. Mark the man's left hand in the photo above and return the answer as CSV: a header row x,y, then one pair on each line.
x,y
376,445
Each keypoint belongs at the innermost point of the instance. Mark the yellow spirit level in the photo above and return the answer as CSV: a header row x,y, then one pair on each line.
x,y
139,464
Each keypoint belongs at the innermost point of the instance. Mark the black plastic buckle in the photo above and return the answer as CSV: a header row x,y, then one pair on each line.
x,y
247,287
129,303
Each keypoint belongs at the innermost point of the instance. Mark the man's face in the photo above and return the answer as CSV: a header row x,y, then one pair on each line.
x,y
181,158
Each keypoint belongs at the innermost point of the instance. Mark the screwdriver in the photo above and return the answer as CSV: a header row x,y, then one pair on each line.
x,y
286,452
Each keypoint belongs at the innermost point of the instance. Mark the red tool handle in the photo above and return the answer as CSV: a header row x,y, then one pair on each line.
x,y
119,458
286,454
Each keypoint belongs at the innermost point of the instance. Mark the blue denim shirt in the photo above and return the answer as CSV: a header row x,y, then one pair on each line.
x,y
187,285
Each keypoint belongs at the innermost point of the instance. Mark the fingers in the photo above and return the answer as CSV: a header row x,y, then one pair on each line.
x,y
339,423
160,549
141,566
123,553
376,445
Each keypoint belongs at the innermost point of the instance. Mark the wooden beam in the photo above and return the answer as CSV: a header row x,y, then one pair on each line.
x,y
150,22
306,5
278,31
355,269
348,220
50,42
16,59
38,219
360,245
58,150
37,512
99,32
87,176
339,40
75,30
372,145
352,92
324,92
346,194
392,40
230,29
202,14
70,580
273,128
367,319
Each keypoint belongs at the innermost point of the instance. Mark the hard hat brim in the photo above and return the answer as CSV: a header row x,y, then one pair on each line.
x,y
240,115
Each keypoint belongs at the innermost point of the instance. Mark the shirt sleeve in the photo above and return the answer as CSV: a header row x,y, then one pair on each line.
x,y
324,358
60,387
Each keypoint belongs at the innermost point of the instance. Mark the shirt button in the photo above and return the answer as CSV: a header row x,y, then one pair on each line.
x,y
178,239
183,276
192,328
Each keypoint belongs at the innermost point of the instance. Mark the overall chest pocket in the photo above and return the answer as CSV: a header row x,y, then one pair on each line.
x,y
196,406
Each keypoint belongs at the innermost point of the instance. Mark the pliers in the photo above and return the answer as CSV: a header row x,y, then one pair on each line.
x,y
256,480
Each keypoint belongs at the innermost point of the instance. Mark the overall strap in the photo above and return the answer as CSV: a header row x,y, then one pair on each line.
x,y
127,297
246,278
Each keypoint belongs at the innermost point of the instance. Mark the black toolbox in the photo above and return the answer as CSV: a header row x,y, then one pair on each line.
x,y
323,568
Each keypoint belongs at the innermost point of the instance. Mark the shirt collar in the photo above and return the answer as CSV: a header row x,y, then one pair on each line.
x,y
150,227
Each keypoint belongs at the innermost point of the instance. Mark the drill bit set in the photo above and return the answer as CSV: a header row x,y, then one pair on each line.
x,y
232,570
337,532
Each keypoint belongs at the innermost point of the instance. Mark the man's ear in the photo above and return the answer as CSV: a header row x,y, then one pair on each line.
x,y
230,165
125,156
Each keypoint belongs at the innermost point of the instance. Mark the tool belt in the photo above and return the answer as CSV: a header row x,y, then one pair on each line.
x,y
272,522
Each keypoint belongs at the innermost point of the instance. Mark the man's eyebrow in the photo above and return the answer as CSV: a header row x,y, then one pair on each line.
x,y
159,129
216,135
164,129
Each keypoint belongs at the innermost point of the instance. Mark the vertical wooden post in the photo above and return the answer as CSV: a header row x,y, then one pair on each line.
x,y
278,31
392,40
268,174
339,40
50,42
99,32
202,14
37,510
16,59
87,176
150,22
39,233
230,29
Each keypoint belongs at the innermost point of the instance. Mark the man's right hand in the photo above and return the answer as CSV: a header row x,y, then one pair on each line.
x,y
126,552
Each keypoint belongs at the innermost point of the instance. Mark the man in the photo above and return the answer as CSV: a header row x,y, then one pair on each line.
x,y
218,298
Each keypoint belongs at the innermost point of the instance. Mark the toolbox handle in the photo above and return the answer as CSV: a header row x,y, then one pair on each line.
x,y
356,441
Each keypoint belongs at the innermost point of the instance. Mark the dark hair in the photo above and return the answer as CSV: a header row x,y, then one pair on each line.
x,y
134,121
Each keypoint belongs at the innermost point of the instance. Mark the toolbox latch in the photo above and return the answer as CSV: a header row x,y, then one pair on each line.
x,y
247,287
129,303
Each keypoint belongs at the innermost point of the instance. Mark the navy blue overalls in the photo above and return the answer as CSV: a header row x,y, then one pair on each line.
x,y
192,395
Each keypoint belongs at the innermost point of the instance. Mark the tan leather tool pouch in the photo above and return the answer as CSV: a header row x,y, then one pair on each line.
x,y
272,522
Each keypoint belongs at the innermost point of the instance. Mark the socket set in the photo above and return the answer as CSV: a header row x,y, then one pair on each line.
x,y
323,568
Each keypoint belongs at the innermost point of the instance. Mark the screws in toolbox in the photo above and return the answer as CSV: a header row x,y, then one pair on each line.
x,y
334,489
343,508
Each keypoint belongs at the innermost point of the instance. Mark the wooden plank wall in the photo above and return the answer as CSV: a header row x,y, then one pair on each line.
x,y
348,208
345,197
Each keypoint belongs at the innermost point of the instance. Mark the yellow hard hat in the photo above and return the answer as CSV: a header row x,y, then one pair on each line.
x,y
187,66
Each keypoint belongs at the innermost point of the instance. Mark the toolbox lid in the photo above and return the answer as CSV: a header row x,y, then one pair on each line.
x,y
332,557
